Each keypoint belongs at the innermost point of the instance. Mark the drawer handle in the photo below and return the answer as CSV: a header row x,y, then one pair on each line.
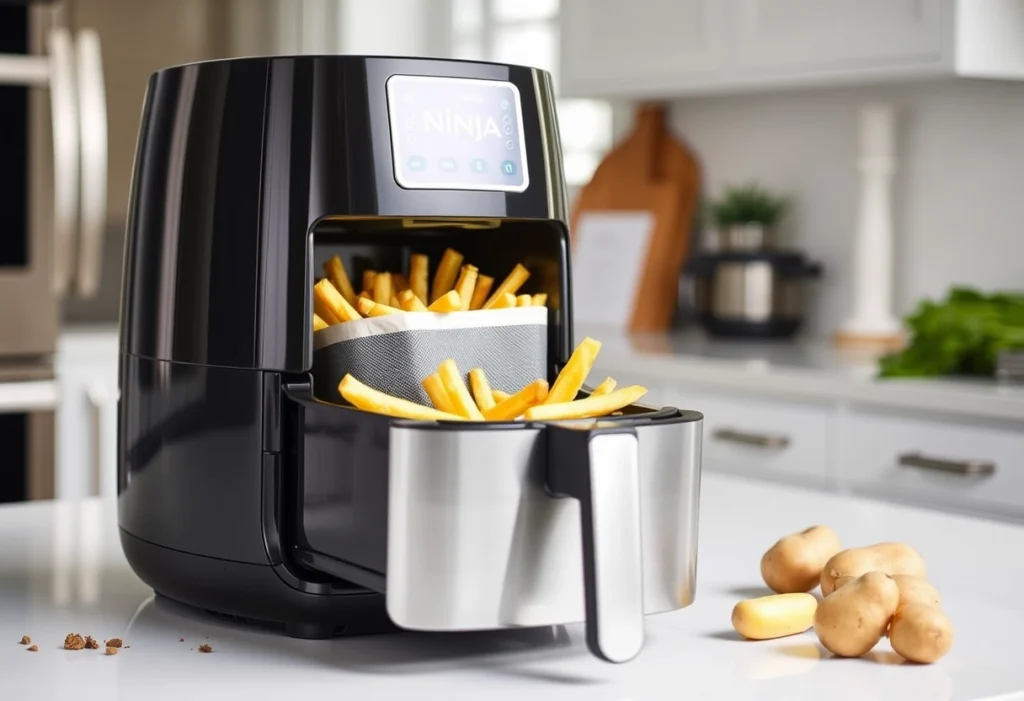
x,y
959,467
761,440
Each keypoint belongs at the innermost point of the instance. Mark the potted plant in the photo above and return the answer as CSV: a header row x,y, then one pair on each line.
x,y
747,216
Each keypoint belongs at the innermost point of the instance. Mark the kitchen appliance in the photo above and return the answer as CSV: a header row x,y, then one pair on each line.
x,y
52,215
243,493
756,293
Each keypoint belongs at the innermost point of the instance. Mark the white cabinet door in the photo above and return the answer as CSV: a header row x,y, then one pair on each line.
x,y
641,46
778,36
86,450
975,468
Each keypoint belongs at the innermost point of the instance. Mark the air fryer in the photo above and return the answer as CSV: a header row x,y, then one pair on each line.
x,y
250,490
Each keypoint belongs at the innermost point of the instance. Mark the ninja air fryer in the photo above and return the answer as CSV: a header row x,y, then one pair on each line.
x,y
249,490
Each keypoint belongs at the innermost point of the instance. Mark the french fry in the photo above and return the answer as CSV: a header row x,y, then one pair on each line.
x,y
511,284
434,388
370,308
499,396
382,288
447,270
335,271
606,386
327,299
458,394
466,284
448,302
484,283
399,282
365,294
516,405
368,278
482,392
418,275
601,405
524,301
395,302
322,309
540,299
368,399
318,323
410,302
509,300
574,374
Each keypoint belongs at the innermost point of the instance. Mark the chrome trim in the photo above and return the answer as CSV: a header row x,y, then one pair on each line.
x,y
96,395
63,114
958,467
618,606
475,540
93,130
33,71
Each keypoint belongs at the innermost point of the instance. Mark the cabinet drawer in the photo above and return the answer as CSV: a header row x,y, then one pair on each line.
x,y
936,462
762,437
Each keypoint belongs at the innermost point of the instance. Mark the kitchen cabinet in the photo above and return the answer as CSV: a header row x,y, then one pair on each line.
x,y
609,44
804,413
779,440
960,465
660,48
86,451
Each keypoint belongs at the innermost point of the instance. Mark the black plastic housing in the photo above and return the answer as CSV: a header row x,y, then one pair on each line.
x,y
247,173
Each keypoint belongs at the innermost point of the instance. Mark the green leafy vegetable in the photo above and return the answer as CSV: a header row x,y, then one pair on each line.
x,y
961,336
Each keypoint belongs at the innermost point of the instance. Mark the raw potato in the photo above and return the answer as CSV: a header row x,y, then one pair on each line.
x,y
852,620
774,616
915,590
921,633
890,558
795,562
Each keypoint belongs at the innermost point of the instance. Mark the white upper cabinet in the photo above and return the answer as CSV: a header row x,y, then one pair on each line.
x,y
795,35
646,45
666,48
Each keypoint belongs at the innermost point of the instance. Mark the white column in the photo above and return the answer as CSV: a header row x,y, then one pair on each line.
x,y
872,309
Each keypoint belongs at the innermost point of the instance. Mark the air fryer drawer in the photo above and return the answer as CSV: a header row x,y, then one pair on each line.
x,y
454,523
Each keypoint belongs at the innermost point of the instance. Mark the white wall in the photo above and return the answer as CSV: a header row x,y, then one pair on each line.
x,y
959,198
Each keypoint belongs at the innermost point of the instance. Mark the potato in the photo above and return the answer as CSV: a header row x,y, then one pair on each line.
x,y
920,633
890,558
795,562
854,618
774,616
915,590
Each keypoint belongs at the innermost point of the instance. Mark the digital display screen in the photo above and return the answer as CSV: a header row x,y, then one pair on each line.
x,y
457,134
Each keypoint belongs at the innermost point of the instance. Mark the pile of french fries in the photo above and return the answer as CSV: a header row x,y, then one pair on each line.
x,y
457,287
452,400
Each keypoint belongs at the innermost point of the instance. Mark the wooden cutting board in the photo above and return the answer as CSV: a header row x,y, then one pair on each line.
x,y
653,171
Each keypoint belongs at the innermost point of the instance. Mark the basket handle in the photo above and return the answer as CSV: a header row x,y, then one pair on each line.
x,y
599,464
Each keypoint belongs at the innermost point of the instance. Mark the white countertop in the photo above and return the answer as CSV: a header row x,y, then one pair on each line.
x,y
802,369
61,571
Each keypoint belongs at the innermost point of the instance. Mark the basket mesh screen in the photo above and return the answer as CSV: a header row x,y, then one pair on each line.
x,y
396,363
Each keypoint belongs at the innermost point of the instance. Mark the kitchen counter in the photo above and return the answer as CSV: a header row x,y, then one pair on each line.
x,y
61,571
801,369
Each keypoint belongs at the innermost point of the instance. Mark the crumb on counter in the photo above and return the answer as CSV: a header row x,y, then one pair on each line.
x,y
33,648
181,640
25,640
114,642
74,641
205,648
111,650
91,644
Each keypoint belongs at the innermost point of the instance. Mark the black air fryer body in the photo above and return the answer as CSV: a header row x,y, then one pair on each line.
x,y
242,168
